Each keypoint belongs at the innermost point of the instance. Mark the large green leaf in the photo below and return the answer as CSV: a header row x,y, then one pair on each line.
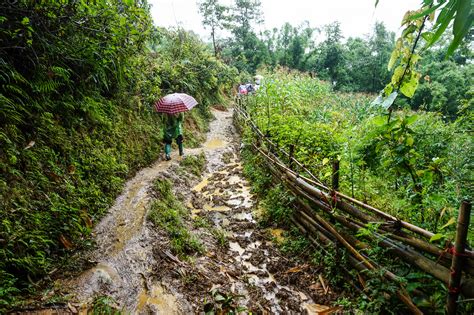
x,y
462,24
442,22
411,119
397,75
462,20
450,222
436,237
408,87
395,53
426,11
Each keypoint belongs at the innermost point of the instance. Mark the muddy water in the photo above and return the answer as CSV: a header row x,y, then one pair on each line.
x,y
134,264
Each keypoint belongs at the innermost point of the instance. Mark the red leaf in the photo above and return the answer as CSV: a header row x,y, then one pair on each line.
x,y
66,243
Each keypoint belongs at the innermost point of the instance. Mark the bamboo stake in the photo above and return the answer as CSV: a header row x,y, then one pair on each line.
x,y
335,175
456,266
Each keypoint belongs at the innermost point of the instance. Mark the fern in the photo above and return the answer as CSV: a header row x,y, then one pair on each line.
x,y
9,111
46,86
63,73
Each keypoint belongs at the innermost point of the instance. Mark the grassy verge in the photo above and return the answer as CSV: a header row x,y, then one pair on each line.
x,y
168,213
196,123
193,164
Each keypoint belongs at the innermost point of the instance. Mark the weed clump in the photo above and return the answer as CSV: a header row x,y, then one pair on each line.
x,y
105,305
194,164
167,212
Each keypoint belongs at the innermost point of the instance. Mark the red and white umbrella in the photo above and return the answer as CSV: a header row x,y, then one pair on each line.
x,y
175,103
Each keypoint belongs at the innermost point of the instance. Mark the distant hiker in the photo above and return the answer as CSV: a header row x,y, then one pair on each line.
x,y
173,129
243,89
250,88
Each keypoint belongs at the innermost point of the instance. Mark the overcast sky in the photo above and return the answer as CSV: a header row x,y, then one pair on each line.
x,y
357,17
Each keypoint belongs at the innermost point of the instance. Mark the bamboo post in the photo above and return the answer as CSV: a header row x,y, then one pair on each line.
x,y
335,175
292,152
458,259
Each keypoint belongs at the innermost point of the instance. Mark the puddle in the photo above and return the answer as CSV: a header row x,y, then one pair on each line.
x,y
201,185
250,268
234,202
220,219
195,212
106,272
157,301
215,143
234,179
235,247
208,207
255,245
243,216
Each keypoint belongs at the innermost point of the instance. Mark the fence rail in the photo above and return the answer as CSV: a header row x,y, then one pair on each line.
x,y
319,205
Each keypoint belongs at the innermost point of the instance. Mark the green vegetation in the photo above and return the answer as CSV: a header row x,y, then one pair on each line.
x,y
105,305
221,237
416,167
167,212
202,222
359,64
223,303
193,164
77,85
417,29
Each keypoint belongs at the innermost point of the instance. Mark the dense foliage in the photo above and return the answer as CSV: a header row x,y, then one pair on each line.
x,y
77,84
417,167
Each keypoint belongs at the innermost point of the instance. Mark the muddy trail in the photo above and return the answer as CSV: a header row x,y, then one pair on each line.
x,y
240,265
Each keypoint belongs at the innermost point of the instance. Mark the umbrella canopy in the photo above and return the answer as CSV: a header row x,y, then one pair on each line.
x,y
175,103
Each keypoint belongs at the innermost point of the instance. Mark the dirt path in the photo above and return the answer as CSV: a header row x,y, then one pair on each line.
x,y
135,267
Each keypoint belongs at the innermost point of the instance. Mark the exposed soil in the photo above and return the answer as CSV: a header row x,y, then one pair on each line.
x,y
135,266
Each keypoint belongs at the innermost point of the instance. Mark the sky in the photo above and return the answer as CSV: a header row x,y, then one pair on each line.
x,y
357,17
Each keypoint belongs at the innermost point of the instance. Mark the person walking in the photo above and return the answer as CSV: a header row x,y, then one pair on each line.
x,y
173,129
172,107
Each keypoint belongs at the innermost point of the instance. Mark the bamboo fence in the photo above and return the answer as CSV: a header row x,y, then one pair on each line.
x,y
330,218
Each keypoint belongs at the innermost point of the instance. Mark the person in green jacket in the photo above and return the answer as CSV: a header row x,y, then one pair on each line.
x,y
173,129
